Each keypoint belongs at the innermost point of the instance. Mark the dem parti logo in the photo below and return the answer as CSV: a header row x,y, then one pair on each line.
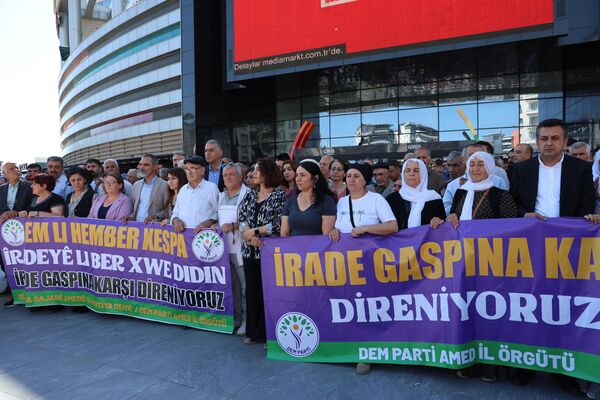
x,y
297,334
208,246
13,232
330,3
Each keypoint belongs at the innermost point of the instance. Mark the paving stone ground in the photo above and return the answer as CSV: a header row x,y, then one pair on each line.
x,y
70,356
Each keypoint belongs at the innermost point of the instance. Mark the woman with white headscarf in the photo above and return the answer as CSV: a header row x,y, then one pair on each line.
x,y
478,198
414,205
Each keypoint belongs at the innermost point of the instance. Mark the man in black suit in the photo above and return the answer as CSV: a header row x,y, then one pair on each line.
x,y
553,184
15,196
213,154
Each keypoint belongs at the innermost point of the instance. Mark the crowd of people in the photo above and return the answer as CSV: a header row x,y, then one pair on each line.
x,y
329,197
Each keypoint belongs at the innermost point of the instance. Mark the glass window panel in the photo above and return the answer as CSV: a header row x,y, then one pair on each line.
x,y
314,82
451,136
379,99
493,115
286,130
583,81
419,119
344,125
379,127
283,147
288,109
341,142
378,74
499,88
581,109
527,135
451,117
345,102
540,55
314,105
420,69
418,95
498,60
502,139
344,78
317,143
534,109
287,86
544,84
458,91
457,64
588,132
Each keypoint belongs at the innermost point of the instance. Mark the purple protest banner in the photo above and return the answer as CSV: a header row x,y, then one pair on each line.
x,y
143,271
516,292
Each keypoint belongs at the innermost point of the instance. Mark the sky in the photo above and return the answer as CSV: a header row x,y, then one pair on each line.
x,y
29,68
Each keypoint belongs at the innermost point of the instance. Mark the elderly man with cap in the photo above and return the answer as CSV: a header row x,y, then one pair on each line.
x,y
198,200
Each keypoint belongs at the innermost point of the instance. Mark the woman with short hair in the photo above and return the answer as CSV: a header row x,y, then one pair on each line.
x,y
44,203
259,216
337,174
114,204
79,202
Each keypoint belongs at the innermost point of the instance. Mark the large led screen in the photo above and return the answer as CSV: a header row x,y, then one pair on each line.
x,y
273,34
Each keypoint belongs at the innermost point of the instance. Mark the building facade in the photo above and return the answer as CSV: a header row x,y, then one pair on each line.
x,y
120,82
495,86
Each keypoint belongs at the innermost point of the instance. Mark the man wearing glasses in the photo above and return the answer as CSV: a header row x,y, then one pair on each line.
x,y
197,201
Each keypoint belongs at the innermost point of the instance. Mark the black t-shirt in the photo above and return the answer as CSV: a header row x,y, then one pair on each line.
x,y
307,222
46,205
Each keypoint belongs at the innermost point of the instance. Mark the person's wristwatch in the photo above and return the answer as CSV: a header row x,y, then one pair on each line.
x,y
256,232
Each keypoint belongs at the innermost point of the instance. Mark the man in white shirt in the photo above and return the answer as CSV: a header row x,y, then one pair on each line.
x,y
55,167
197,201
458,182
553,184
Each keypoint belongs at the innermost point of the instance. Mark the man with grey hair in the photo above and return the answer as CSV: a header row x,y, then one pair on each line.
x,y
15,196
455,165
213,154
150,195
436,180
111,166
178,159
56,168
133,175
229,202
324,165
580,150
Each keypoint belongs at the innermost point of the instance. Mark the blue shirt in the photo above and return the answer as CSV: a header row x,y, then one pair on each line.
x,y
214,176
144,204
12,195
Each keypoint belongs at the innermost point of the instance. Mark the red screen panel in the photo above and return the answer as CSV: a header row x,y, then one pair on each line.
x,y
264,29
